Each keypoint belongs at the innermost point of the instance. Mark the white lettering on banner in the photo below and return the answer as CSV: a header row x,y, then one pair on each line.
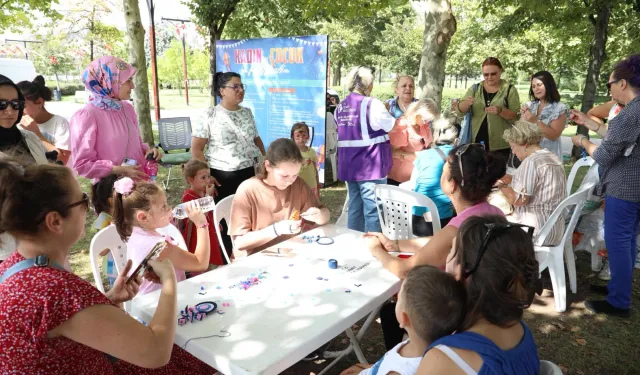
x,y
364,142
266,70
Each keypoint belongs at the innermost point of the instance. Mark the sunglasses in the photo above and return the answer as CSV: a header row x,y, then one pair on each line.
x,y
461,152
611,83
242,87
85,200
15,104
492,74
494,229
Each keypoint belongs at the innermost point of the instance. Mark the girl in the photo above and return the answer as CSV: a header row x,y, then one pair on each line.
x,y
308,171
139,209
53,130
263,205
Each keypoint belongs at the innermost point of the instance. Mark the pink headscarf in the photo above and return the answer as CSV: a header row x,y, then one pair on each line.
x,y
104,77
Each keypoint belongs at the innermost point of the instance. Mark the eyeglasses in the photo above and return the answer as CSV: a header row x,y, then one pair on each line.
x,y
85,200
492,74
461,152
15,104
611,83
242,87
491,229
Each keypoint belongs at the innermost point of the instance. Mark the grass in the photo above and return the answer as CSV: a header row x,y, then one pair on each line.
x,y
580,342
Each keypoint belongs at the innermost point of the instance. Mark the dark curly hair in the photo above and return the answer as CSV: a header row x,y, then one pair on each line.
x,y
481,170
629,70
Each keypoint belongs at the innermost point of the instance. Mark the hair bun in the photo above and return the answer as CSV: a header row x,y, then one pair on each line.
x,y
496,167
39,80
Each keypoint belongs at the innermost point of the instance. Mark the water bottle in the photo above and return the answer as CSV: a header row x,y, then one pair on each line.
x,y
206,204
150,167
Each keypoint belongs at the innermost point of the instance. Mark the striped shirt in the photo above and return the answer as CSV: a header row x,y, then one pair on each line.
x,y
618,156
541,178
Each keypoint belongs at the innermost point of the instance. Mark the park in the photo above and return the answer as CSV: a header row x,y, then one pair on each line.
x,y
277,306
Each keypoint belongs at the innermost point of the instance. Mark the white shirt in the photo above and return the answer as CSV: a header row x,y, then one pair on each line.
x,y
332,134
379,116
393,361
56,131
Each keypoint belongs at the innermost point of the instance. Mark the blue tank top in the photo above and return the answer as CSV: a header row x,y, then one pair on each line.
x,y
429,165
521,360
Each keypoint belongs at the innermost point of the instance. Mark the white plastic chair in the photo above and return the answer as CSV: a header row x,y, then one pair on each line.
x,y
343,220
223,212
551,256
107,238
396,217
582,162
549,368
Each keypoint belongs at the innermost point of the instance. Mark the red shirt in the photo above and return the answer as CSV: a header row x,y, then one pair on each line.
x,y
192,238
37,300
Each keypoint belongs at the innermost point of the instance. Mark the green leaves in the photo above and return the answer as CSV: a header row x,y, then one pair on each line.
x,y
17,14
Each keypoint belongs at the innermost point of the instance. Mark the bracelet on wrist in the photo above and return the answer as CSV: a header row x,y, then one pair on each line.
x,y
206,224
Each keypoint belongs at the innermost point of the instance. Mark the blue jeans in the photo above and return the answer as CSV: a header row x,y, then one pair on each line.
x,y
363,210
621,219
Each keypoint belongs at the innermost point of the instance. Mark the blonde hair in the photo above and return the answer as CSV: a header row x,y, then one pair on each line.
x,y
360,79
427,108
401,76
523,133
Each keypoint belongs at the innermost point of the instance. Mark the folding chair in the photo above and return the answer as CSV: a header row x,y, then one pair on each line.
x,y
551,256
175,134
223,212
396,218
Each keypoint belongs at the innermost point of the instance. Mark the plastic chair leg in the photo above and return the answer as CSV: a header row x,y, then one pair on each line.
x,y
556,272
571,266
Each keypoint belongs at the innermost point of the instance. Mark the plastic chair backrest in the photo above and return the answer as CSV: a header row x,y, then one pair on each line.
x,y
582,162
396,218
343,220
175,133
173,232
223,211
577,199
549,368
107,238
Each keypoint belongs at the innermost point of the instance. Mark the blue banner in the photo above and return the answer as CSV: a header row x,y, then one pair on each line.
x,y
286,82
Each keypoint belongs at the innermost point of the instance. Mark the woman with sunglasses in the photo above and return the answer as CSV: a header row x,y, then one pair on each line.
x,y
468,177
234,147
52,321
618,158
15,141
411,133
496,261
493,103
105,136
538,184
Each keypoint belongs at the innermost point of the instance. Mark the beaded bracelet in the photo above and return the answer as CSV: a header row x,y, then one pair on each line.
x,y
206,224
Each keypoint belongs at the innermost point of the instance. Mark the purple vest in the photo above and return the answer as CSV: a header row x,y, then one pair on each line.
x,y
363,153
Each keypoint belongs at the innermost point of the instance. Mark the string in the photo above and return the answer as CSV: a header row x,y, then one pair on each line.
x,y
226,334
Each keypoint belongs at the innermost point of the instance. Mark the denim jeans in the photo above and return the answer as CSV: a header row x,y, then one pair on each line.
x,y
363,210
621,219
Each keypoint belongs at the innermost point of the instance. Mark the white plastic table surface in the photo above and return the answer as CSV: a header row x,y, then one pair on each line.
x,y
299,304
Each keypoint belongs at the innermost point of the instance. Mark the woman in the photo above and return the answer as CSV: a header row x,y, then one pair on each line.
x,y
272,206
546,111
405,88
105,136
493,103
467,179
411,133
426,175
618,158
53,130
364,151
497,263
54,322
538,185
15,141
234,146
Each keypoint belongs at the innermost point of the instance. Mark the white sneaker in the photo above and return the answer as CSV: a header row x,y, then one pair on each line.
x,y
605,272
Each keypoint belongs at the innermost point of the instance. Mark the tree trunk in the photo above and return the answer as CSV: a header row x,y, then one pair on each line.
x,y
212,64
339,73
57,81
135,36
455,85
440,25
380,74
335,81
597,55
465,82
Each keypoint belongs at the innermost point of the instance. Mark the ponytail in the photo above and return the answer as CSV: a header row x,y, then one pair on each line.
x,y
126,205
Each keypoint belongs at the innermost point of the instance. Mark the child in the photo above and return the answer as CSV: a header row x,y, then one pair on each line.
x,y
308,172
139,208
431,304
101,199
196,174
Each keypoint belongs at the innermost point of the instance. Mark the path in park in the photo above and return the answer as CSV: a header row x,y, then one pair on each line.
x,y
67,109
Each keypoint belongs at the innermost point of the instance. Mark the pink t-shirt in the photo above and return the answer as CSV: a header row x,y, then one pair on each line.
x,y
101,139
483,208
138,247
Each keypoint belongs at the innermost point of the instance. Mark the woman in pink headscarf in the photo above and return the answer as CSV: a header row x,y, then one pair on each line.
x,y
105,137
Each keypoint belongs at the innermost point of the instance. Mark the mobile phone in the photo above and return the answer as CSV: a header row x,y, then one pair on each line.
x,y
129,162
157,248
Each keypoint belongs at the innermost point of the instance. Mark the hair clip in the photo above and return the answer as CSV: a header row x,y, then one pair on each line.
x,y
124,186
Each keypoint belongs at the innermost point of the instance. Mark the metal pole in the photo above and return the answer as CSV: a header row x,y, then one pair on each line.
x,y
26,55
154,62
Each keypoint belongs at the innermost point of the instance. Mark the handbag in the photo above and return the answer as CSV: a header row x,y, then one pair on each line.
x,y
465,126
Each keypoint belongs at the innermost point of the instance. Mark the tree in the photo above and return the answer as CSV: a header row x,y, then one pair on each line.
x,y
274,16
440,25
53,57
400,41
170,66
164,36
135,37
16,14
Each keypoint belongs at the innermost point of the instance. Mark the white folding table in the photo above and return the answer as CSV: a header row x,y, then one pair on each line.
x,y
298,305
